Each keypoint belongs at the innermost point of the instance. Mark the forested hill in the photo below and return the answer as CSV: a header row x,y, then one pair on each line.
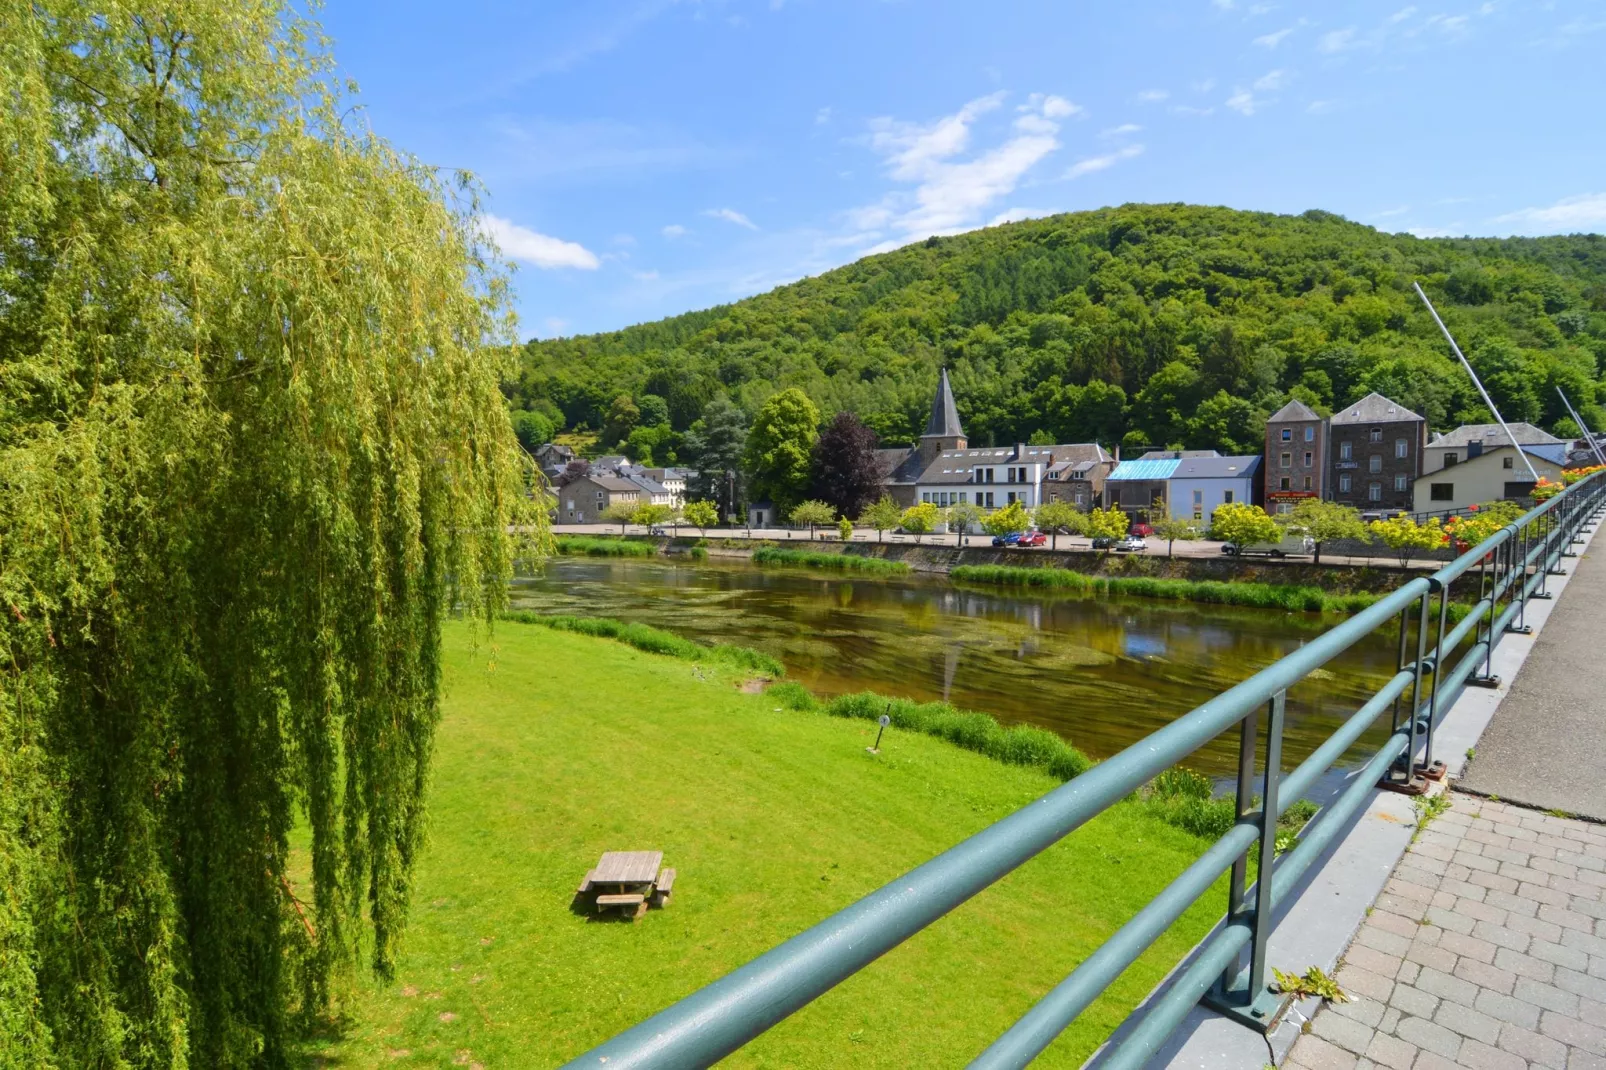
x,y
1164,324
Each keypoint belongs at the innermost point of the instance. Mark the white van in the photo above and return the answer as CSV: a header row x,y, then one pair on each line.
x,y
1292,544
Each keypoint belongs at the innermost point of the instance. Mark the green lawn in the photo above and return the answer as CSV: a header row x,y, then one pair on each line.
x,y
555,747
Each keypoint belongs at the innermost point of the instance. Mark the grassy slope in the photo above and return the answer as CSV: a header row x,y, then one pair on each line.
x,y
555,747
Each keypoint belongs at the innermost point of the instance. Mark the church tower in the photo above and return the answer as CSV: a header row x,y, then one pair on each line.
x,y
942,430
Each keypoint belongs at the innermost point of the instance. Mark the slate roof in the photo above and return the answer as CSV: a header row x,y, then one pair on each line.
x,y
899,464
1374,408
1176,455
611,483
1293,412
1490,434
955,466
944,422
651,486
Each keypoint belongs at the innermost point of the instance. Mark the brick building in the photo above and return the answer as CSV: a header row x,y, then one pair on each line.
x,y
1375,446
1296,457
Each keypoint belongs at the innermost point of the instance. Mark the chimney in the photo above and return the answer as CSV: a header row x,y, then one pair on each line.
x,y
1474,449
1020,451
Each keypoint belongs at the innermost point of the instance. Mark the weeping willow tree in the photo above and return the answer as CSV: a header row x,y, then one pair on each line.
x,y
252,450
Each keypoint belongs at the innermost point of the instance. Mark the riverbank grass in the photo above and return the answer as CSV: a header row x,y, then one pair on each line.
x,y
555,746
775,555
595,546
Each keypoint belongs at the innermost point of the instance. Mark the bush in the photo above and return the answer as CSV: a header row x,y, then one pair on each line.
x,y
773,555
591,546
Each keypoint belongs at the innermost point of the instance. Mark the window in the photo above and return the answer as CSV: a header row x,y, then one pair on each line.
x,y
1402,448
1400,482
964,496
1307,483
1080,498
1226,497
1451,458
1287,460
1288,434
1343,484
925,497
1198,512
989,499
1282,484
1344,451
1010,498
1519,490
1198,497
1505,462
1308,458
1441,492
1374,463
1375,434
1285,508
1374,491
1310,434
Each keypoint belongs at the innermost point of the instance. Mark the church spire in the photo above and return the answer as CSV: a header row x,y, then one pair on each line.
x,y
944,422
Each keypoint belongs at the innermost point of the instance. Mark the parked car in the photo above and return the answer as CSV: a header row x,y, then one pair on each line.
x,y
1006,540
1143,531
1292,544
1130,544
1033,538
1103,542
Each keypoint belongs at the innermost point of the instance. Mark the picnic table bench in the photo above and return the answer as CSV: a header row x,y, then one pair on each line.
x,y
628,881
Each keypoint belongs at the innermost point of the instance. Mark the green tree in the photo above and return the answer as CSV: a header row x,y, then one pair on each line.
x,y
532,429
1243,524
844,529
961,517
1325,522
649,515
919,519
702,515
882,514
623,416
812,514
780,446
1229,424
1109,523
1060,518
1406,537
1006,521
715,445
255,448
1173,529
621,513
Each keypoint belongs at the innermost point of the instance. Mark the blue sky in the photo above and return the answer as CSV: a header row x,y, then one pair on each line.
x,y
646,157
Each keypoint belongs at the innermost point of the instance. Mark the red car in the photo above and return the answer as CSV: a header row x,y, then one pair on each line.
x,y
1142,530
1032,538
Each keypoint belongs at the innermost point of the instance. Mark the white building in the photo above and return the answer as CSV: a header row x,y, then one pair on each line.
x,y
673,480
1470,440
1491,475
1191,483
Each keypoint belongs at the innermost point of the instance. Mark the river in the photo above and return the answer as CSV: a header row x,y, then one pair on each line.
x,y
1102,673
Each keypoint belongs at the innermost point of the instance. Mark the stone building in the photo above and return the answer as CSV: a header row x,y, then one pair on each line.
x,y
1296,457
1376,448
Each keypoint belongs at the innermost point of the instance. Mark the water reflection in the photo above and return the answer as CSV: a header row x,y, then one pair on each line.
x,y
1102,673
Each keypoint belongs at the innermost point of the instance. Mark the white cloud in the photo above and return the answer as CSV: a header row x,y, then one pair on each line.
x,y
646,276
1013,215
527,246
1453,230
624,239
1191,111
1321,107
1100,163
1120,131
673,231
731,215
1204,86
556,326
1586,211
1243,101
1272,40
1389,213
1059,108
950,191
1224,5
1337,40
822,116
1153,96
1401,15
1272,81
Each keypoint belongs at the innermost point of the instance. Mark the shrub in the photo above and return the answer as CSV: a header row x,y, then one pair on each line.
x,y
774,555
592,546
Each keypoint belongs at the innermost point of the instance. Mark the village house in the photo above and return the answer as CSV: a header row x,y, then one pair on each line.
x,y
944,469
674,481
1077,476
1296,457
583,500
1471,440
1188,484
1487,475
1376,446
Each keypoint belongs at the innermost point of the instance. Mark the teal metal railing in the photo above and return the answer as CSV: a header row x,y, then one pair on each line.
x,y
1509,568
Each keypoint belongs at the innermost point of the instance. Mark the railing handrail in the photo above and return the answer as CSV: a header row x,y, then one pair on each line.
x,y
714,1021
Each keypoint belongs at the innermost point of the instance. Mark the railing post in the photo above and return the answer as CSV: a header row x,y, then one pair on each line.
x,y
1438,673
1484,632
1243,994
1520,580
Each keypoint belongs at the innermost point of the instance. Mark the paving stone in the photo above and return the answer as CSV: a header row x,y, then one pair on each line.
x,y
1467,946
1570,957
1542,894
1430,1036
1511,1008
1501,936
1392,1052
1592,1012
1475,912
1578,1059
1549,997
1391,943
1580,984
1582,861
1524,965
1441,850
1469,1023
1466,890
1366,1011
1538,927
1442,898
1345,1032
1405,907
1555,866
1547,1051
1478,1056
1369,959
1498,855
1513,904
1414,1001
1531,875
1364,981
1597,966
1582,924
1406,890
1408,870
1398,924
1484,975
1390,1022
1408,971
1573,1033
1456,920
1427,1060
1428,955
1318,1054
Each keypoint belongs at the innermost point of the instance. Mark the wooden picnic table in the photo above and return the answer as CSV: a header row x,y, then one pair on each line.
x,y
629,880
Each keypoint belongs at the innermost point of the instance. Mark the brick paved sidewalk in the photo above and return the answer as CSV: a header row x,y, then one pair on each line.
x,y
1487,949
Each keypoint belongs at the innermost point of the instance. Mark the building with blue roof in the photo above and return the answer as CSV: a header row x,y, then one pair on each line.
x,y
1191,483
